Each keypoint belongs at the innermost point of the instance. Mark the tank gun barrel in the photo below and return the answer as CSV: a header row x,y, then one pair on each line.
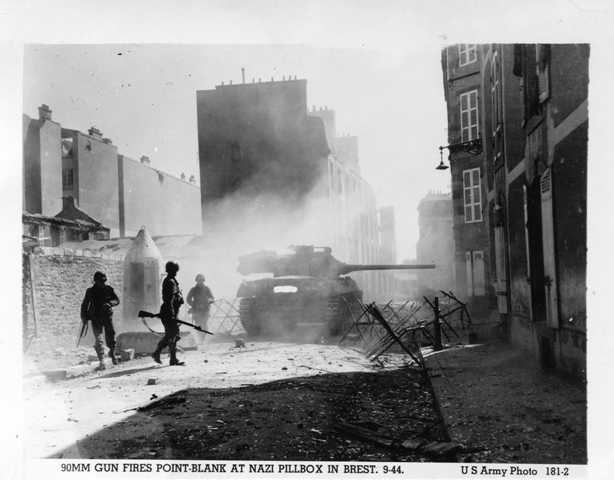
x,y
345,268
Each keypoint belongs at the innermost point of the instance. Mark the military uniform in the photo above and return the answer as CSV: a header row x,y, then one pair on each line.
x,y
97,307
199,299
172,300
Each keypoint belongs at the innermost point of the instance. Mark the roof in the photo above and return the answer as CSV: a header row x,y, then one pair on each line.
x,y
37,217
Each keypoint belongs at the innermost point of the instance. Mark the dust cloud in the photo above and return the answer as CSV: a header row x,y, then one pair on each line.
x,y
241,224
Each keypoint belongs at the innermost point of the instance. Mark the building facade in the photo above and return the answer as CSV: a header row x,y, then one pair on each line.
x,y
534,132
257,140
462,67
260,145
113,190
42,164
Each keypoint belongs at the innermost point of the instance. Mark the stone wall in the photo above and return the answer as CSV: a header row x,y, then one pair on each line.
x,y
165,204
59,280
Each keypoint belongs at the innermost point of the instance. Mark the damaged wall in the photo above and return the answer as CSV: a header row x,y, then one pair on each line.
x,y
165,204
60,278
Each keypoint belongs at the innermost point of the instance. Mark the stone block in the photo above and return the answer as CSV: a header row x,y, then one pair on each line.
x,y
126,354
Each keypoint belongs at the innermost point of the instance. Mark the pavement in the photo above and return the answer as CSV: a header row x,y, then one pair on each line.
x,y
61,413
499,404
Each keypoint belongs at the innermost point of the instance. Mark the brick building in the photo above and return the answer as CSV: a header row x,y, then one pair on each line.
x,y
436,242
532,105
111,189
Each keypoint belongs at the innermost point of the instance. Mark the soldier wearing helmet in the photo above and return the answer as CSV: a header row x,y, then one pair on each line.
x,y
97,307
172,299
200,299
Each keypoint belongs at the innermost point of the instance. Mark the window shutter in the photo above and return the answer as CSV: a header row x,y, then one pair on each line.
x,y
479,280
469,274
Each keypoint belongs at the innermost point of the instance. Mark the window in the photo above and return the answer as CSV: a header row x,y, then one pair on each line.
x,y
469,115
472,195
67,178
467,53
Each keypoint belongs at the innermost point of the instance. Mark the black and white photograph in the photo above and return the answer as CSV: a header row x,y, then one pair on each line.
x,y
289,256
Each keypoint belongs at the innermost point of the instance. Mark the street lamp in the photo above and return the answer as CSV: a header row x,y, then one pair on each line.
x,y
472,147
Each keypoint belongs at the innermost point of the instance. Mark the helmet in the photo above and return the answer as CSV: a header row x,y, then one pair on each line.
x,y
99,276
172,267
199,278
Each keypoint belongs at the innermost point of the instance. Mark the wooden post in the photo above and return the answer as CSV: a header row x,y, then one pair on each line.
x,y
437,326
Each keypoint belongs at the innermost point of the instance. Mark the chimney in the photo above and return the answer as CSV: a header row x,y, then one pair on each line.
x,y
44,112
107,141
94,132
145,160
243,74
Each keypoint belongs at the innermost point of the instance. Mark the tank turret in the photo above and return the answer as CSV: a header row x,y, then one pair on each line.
x,y
310,289
308,260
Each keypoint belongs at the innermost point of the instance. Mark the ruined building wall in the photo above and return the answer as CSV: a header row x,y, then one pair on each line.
x,y
60,278
165,204
96,189
42,167
257,139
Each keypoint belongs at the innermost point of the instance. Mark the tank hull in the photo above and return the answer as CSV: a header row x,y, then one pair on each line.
x,y
305,307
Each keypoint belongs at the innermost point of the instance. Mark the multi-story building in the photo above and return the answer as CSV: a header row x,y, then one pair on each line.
x,y
462,78
42,164
532,101
260,148
436,242
255,140
112,190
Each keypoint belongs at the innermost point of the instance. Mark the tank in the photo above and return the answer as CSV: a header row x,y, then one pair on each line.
x,y
308,289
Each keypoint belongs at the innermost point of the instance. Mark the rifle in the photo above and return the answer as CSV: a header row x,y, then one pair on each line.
x,y
83,332
144,314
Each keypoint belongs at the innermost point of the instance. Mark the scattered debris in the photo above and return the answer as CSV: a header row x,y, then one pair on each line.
x,y
412,443
162,403
364,434
440,449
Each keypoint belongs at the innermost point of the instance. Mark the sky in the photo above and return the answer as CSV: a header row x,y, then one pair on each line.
x,y
142,96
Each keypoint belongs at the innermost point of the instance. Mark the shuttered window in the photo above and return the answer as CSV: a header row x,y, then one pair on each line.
x,y
467,53
469,115
472,195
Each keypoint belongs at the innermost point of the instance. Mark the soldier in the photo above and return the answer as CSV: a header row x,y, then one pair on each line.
x,y
200,299
97,306
172,300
